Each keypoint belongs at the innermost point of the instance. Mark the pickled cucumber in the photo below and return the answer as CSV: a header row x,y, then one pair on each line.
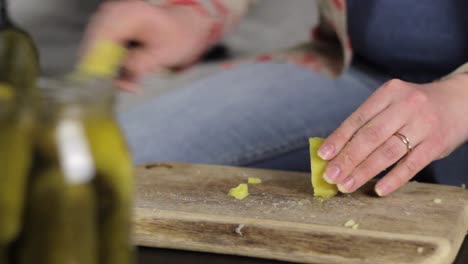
x,y
102,60
3,256
82,214
19,58
60,218
318,166
15,158
6,93
19,63
44,238
114,186
60,222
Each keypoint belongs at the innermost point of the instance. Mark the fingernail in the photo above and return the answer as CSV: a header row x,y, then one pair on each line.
x,y
347,185
331,174
326,152
382,189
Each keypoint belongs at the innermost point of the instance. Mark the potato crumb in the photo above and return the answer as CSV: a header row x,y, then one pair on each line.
x,y
252,180
355,226
240,192
350,223
420,250
437,200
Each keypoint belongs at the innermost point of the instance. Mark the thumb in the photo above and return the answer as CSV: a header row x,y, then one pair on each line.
x,y
138,63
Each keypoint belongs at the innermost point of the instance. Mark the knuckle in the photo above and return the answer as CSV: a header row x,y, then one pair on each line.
x,y
399,179
395,84
373,133
411,166
356,120
340,135
364,172
349,161
392,151
417,98
337,138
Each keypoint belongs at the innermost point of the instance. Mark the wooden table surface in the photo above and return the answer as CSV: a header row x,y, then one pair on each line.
x,y
168,256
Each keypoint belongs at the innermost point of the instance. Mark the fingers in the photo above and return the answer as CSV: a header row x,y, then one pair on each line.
x,y
120,22
376,103
382,158
139,62
367,139
126,22
406,169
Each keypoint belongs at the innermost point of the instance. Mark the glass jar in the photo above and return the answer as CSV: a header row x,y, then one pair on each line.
x,y
79,200
15,158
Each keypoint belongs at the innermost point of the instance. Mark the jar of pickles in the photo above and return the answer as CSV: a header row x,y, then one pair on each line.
x,y
79,193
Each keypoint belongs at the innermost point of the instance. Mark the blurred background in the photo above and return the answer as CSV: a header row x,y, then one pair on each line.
x,y
57,27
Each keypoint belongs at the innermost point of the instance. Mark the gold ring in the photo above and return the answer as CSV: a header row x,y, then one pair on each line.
x,y
405,141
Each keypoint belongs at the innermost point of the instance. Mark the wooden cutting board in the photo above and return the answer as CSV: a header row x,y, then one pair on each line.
x,y
184,206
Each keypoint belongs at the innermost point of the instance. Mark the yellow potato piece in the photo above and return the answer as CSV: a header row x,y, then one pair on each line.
x,y
240,192
252,180
318,166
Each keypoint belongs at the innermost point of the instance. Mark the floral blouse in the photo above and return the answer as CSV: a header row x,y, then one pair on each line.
x,y
328,52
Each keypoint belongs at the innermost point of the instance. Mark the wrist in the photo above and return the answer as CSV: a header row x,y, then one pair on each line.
x,y
457,90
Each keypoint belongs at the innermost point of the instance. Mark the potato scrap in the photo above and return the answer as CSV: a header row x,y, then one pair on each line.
x,y
350,223
463,186
420,250
252,180
318,166
437,200
240,192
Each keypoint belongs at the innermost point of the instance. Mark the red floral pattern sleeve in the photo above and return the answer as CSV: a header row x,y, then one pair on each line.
x,y
328,50
225,13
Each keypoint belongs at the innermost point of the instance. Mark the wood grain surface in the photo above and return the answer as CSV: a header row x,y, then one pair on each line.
x,y
185,206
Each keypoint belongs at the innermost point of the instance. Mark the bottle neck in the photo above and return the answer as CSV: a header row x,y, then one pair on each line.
x,y
4,16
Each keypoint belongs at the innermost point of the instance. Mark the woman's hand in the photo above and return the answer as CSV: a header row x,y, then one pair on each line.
x,y
168,36
432,116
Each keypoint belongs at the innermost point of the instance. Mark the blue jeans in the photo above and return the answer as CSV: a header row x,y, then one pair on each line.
x,y
258,116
